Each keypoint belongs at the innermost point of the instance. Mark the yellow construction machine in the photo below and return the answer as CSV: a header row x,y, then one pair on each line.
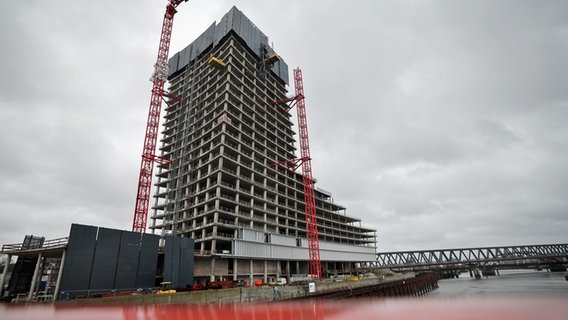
x,y
165,287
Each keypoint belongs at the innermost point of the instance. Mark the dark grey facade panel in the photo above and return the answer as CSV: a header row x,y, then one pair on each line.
x,y
79,259
148,261
220,31
243,30
193,50
168,257
235,21
179,261
203,42
282,69
230,20
128,255
173,62
99,260
175,261
183,58
105,260
186,262
22,274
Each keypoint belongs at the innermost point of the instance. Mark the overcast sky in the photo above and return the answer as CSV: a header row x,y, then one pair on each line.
x,y
442,124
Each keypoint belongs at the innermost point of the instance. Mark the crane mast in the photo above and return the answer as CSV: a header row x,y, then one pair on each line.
x,y
307,179
158,79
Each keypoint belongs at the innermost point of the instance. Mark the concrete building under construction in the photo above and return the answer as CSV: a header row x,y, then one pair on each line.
x,y
222,188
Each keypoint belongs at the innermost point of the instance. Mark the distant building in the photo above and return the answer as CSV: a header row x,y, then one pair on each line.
x,y
246,214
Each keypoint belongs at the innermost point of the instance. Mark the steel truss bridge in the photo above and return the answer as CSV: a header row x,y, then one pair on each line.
x,y
547,256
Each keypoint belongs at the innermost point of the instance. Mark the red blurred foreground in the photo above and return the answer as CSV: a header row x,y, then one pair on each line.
x,y
487,309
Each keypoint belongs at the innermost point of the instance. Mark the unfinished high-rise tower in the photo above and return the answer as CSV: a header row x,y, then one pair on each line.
x,y
223,136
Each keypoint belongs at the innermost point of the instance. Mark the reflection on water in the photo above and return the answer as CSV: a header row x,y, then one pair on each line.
x,y
348,309
508,283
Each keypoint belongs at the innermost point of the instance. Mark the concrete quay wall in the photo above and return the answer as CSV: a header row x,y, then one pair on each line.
x,y
252,294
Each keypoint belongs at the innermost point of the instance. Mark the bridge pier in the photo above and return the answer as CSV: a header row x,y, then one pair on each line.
x,y
488,272
556,268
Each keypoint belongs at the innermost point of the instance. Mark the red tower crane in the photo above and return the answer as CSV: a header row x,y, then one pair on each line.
x,y
307,179
158,79
305,161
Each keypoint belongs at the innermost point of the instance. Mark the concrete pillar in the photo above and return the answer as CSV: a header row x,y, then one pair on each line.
x,y
212,277
4,274
235,270
288,269
59,276
265,271
251,271
34,278
219,179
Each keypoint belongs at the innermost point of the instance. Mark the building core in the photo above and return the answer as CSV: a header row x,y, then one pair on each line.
x,y
223,188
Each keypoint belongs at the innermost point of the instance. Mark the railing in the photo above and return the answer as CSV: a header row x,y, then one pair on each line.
x,y
47,244
210,252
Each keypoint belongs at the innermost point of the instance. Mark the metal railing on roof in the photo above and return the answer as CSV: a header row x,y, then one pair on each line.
x,y
47,244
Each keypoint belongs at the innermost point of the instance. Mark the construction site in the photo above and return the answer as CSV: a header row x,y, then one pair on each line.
x,y
225,191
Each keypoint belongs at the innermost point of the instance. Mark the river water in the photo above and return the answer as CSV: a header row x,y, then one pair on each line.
x,y
508,283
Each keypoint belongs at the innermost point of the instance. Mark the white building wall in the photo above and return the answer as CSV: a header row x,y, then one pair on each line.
x,y
251,235
251,243
279,239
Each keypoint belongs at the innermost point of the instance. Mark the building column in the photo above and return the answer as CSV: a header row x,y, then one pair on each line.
x,y
235,270
265,271
59,276
288,269
4,274
251,269
34,278
212,277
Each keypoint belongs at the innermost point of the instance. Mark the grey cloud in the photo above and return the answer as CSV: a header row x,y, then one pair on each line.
x,y
442,124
